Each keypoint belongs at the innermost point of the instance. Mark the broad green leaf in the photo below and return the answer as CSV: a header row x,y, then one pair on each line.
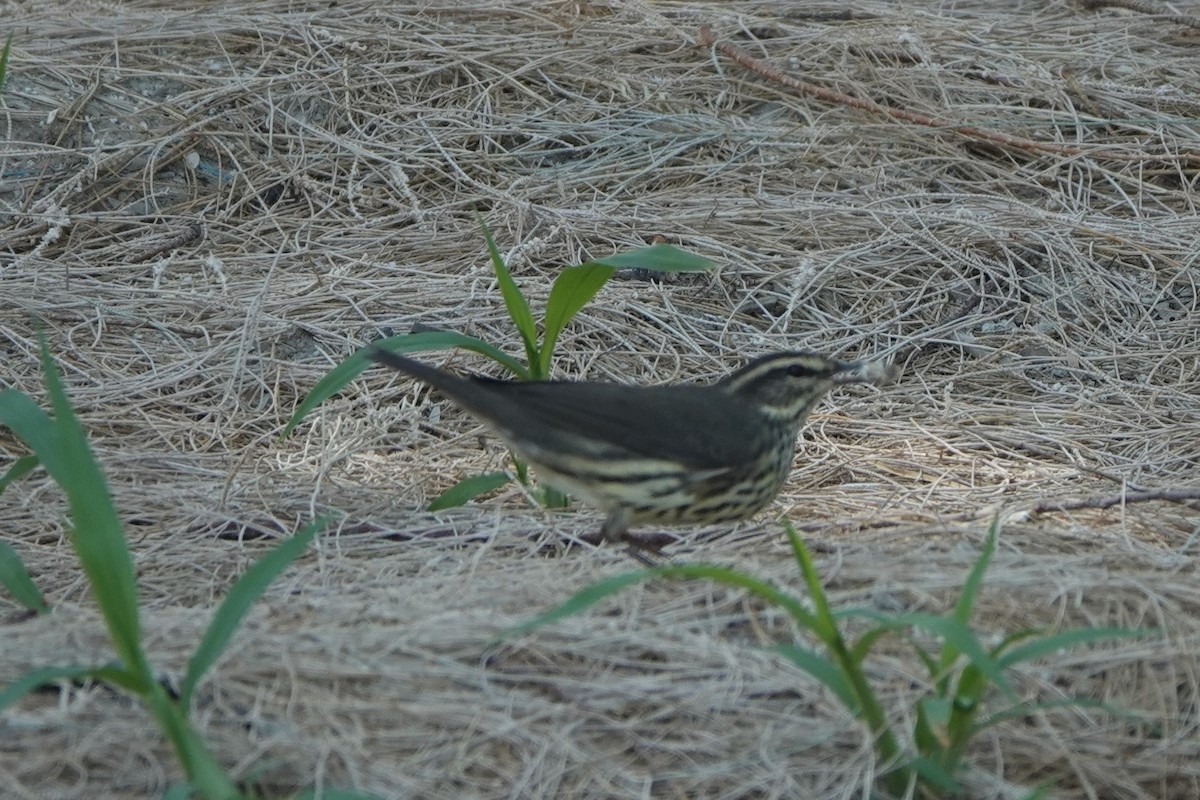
x,y
16,579
337,378
658,258
572,290
247,589
514,301
823,670
468,489
97,536
20,468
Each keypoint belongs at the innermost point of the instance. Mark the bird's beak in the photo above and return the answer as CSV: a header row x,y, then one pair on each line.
x,y
865,372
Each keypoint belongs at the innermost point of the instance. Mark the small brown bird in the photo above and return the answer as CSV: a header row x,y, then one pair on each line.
x,y
675,454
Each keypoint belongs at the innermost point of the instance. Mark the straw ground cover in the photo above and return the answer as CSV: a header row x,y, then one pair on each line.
x,y
209,209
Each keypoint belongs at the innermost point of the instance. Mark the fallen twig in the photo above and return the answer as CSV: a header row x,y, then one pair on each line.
x,y
1184,494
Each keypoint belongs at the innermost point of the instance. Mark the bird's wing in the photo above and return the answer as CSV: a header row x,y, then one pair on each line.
x,y
700,426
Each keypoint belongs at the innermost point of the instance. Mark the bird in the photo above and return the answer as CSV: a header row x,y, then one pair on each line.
x,y
676,454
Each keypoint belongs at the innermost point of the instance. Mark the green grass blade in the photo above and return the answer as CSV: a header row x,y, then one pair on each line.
x,y
1068,638
933,774
334,794
97,536
572,290
468,489
970,588
20,468
244,592
336,379
658,258
4,60
179,791
958,636
580,601
33,426
933,713
16,580
1025,709
1008,641
966,601
37,678
823,670
863,646
201,768
514,301
590,595
824,626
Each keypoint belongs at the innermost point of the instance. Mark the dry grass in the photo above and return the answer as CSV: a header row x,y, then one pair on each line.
x,y
208,209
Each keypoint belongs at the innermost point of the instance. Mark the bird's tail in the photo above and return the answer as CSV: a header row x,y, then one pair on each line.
x,y
450,384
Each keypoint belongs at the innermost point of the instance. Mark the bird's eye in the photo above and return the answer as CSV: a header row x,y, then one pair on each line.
x,y
799,371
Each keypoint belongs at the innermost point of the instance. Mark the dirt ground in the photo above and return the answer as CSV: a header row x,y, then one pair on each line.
x,y
210,205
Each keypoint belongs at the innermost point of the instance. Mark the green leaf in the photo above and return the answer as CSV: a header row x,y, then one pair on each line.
x,y
658,258
970,588
97,536
179,791
553,498
337,378
590,595
247,589
1065,639
580,601
966,601
468,489
4,60
958,636
1025,709
44,676
201,768
572,290
33,426
823,670
20,468
934,774
16,579
932,715
823,626
514,301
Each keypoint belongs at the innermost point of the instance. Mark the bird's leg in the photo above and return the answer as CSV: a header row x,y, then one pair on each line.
x,y
616,530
